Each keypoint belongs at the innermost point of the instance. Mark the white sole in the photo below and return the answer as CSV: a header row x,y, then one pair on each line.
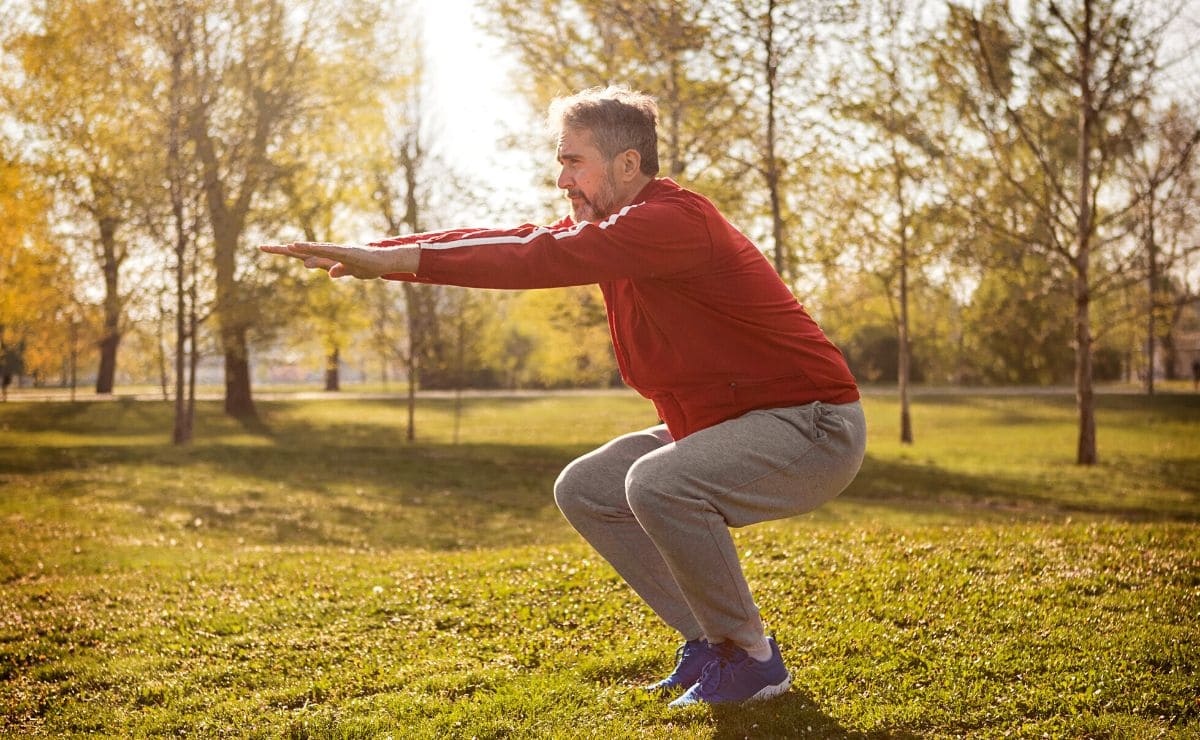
x,y
767,692
770,692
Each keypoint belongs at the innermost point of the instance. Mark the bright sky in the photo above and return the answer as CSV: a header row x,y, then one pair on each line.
x,y
475,102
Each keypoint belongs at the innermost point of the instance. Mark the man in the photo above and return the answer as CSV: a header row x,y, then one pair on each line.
x,y
761,415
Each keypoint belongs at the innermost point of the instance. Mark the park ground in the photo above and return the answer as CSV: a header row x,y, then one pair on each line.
x,y
314,575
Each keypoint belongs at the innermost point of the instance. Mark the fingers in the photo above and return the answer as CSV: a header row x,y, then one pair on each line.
x,y
319,249
313,254
320,263
306,249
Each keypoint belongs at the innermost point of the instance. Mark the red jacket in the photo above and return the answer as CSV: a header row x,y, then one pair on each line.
x,y
701,323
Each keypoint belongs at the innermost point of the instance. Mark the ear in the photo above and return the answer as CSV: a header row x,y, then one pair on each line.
x,y
629,164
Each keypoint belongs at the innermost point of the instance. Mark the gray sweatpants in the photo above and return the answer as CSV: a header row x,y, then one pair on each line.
x,y
659,510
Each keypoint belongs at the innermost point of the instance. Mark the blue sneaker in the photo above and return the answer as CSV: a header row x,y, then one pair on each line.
x,y
735,677
690,659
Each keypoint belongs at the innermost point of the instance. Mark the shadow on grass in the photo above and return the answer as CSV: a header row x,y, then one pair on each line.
x,y
911,486
795,714
429,496
1022,409
293,480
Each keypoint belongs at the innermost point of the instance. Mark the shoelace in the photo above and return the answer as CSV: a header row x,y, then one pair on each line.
x,y
714,675
679,655
682,653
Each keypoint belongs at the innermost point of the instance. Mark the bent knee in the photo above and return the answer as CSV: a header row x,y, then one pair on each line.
x,y
578,490
644,491
569,494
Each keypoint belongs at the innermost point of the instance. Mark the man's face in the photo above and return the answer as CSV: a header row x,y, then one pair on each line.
x,y
586,176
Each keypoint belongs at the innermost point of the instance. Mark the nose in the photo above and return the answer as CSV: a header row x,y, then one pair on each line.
x,y
564,180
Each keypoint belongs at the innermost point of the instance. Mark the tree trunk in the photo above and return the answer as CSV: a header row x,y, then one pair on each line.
x,y
74,355
413,357
238,401
772,168
332,378
194,354
228,222
181,433
1151,292
111,336
458,367
905,358
108,362
1084,396
164,380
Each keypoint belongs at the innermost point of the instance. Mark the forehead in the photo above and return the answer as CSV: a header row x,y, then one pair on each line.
x,y
576,141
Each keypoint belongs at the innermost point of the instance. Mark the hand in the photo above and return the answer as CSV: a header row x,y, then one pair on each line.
x,y
356,261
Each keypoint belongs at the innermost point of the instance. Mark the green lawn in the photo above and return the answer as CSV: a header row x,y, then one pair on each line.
x,y
316,576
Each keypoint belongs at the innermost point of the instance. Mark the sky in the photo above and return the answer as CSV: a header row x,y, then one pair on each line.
x,y
475,102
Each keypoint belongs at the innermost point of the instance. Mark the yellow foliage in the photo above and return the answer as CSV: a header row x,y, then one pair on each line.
x,y
36,310
569,333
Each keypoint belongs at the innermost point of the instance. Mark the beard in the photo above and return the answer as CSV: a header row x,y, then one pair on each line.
x,y
599,206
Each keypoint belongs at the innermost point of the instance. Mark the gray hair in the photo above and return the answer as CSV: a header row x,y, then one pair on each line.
x,y
619,119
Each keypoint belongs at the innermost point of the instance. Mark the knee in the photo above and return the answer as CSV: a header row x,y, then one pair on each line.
x,y
644,492
572,493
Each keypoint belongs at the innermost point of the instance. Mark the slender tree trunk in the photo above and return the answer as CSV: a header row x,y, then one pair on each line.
x,y
410,159
111,336
1151,292
413,357
194,352
676,163
904,354
772,168
181,432
905,357
74,355
1084,395
164,380
458,370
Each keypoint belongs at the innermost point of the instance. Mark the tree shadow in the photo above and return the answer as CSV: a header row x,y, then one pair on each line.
x,y
289,480
913,486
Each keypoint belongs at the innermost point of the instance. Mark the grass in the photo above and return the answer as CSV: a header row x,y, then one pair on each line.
x,y
316,576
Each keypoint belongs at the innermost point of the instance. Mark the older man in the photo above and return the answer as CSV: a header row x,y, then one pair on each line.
x,y
761,417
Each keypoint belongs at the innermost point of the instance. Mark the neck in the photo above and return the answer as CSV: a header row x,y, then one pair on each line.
x,y
628,193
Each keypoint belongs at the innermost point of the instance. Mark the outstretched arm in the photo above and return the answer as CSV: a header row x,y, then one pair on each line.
x,y
356,261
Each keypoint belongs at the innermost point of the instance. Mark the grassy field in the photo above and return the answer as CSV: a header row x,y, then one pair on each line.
x,y
316,576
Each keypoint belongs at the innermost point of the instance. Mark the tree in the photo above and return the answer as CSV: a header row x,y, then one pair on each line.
x,y
1164,184
569,329
80,94
320,181
764,54
169,26
894,198
263,75
661,46
420,300
1057,97
42,320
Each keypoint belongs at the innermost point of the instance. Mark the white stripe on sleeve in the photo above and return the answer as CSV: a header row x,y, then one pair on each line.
x,y
540,231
